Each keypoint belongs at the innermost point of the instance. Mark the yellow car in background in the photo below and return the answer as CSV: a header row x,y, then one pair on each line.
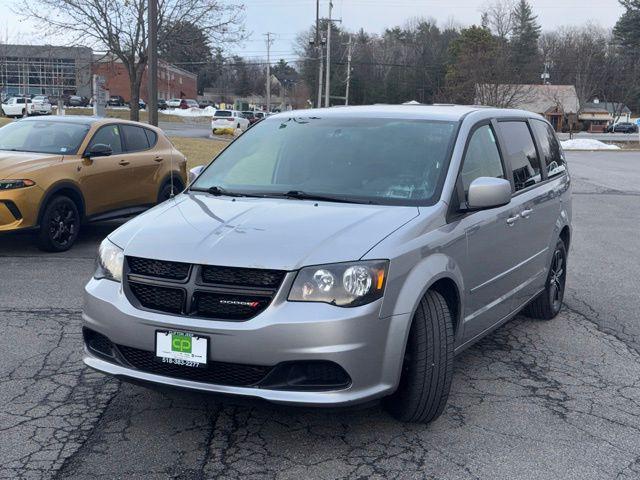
x,y
59,172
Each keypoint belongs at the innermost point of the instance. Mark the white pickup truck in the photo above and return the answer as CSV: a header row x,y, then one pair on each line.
x,y
15,107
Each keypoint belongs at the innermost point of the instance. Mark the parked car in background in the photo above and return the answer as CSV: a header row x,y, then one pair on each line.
x,y
251,116
162,104
116,101
174,103
260,115
77,101
307,265
188,103
58,172
623,127
17,106
228,120
41,105
206,103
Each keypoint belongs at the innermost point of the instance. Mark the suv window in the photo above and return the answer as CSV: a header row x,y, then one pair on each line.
x,y
152,137
554,160
135,138
522,154
482,158
108,135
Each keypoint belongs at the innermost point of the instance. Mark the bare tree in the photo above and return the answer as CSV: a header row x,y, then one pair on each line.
x,y
502,95
120,27
497,16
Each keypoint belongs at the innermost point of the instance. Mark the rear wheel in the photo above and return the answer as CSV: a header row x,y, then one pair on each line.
x,y
60,225
166,190
428,364
548,304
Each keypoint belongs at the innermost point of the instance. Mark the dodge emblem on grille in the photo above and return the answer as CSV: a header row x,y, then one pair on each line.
x,y
239,302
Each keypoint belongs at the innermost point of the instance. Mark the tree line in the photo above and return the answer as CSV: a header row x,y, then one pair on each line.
x,y
430,63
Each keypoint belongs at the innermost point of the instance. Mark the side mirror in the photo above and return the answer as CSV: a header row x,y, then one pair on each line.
x,y
488,192
98,150
194,172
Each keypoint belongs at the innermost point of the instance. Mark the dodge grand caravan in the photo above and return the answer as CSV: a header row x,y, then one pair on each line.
x,y
329,257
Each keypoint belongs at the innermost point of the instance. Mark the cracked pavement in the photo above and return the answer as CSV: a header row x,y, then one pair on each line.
x,y
534,400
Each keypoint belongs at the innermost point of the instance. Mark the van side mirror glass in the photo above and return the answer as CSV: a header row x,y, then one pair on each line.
x,y
488,192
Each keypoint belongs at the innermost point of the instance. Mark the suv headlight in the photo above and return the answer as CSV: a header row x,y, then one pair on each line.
x,y
342,284
110,262
13,184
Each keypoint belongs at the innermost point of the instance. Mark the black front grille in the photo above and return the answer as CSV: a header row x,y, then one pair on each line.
x,y
219,373
158,268
245,277
231,307
203,291
154,297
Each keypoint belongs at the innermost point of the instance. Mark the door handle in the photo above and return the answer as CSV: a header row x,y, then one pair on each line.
x,y
512,220
526,213
124,163
158,159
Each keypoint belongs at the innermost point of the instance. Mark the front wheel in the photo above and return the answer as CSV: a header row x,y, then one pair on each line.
x,y
60,225
548,304
428,364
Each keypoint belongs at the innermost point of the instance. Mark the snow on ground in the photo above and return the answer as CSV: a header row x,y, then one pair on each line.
x,y
190,112
587,144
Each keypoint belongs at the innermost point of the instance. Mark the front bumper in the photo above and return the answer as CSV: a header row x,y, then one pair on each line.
x,y
19,208
369,348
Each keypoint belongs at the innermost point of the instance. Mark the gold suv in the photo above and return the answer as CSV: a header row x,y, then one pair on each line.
x,y
59,172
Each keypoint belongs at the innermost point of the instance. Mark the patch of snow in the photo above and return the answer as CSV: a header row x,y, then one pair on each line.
x,y
190,112
587,144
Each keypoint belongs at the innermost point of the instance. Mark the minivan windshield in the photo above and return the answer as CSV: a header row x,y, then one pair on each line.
x,y
366,160
43,136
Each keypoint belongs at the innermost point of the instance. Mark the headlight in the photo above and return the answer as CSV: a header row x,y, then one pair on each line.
x,y
342,284
13,184
109,262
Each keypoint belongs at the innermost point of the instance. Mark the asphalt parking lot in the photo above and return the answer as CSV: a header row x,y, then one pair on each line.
x,y
534,400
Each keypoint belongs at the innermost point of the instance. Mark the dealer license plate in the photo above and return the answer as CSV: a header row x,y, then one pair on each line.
x,y
181,348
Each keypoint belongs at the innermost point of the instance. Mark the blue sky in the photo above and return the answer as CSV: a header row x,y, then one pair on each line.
x,y
286,18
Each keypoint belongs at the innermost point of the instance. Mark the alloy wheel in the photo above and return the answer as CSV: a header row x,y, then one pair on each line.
x,y
557,279
63,225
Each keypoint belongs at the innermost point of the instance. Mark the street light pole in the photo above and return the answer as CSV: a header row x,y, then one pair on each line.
x,y
268,35
152,51
327,86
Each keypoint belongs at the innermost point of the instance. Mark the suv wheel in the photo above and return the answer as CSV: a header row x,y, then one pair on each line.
x,y
548,304
165,192
428,364
60,225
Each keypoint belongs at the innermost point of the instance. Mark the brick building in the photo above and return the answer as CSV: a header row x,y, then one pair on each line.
x,y
173,82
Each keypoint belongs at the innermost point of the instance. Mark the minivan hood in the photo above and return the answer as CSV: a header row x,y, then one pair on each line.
x,y
283,234
12,163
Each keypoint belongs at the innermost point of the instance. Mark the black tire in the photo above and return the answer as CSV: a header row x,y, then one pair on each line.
x,y
548,304
165,191
60,225
428,364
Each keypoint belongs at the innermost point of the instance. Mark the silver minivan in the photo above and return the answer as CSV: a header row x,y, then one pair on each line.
x,y
335,256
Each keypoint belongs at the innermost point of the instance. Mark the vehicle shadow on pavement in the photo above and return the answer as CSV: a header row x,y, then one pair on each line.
x,y
532,400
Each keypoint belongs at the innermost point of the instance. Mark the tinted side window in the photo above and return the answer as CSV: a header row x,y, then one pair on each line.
x,y
152,137
522,154
550,146
108,135
482,158
135,138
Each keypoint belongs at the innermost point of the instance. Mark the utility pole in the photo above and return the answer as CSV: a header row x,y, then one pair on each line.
x,y
152,101
327,87
268,35
320,55
346,94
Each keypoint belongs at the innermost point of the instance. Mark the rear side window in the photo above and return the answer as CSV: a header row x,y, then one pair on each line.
x,y
550,147
108,135
135,138
152,137
482,158
521,151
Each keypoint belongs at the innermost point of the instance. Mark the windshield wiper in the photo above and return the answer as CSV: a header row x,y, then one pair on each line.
x,y
219,191
300,195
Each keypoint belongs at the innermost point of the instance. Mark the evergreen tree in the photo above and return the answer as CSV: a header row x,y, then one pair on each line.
x,y
525,56
627,29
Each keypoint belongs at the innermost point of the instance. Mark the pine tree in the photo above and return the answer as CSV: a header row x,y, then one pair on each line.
x,y
627,29
525,56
